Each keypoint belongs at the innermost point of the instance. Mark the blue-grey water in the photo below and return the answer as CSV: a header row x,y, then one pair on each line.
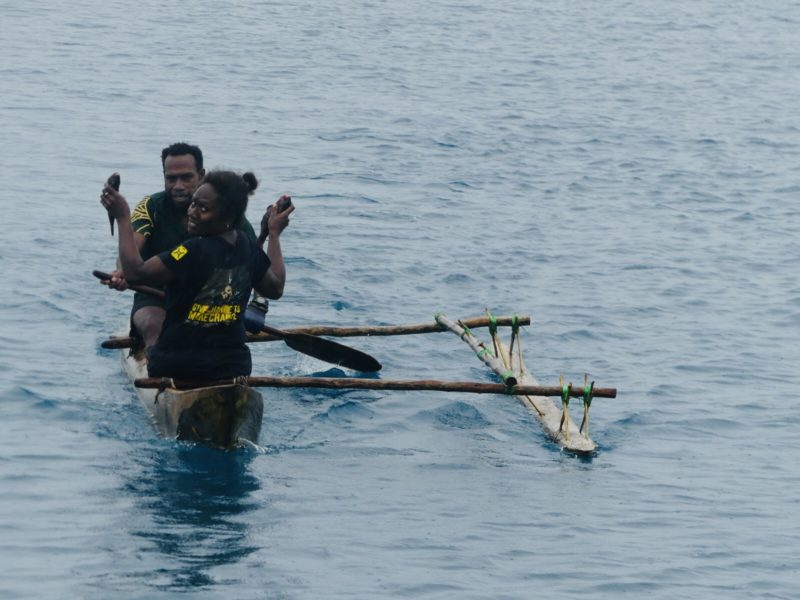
x,y
627,173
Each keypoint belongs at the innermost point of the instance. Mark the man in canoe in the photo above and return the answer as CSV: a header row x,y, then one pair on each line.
x,y
207,278
159,224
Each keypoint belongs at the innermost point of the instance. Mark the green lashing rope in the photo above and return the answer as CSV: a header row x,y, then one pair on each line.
x,y
484,352
514,336
493,332
588,388
566,390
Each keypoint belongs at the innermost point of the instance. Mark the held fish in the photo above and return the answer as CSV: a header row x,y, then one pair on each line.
x,y
113,181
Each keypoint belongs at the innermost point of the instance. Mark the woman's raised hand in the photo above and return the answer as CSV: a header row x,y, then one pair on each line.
x,y
276,217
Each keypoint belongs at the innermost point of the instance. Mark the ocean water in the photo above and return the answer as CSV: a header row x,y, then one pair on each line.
x,y
626,173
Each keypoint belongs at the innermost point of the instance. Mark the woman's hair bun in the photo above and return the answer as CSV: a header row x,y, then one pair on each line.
x,y
251,181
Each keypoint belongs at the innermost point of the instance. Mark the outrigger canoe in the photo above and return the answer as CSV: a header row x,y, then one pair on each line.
x,y
228,413
221,416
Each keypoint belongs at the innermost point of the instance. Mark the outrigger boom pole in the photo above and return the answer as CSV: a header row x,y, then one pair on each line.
x,y
378,384
369,330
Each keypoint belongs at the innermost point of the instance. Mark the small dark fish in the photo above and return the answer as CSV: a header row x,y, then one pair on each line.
x,y
113,181
283,204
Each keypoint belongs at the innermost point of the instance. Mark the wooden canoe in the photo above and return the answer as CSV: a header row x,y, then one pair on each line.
x,y
220,416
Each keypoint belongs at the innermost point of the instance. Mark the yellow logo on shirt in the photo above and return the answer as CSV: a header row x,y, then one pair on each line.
x,y
179,252
203,313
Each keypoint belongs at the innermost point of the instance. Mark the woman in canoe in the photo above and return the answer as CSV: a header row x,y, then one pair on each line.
x,y
208,279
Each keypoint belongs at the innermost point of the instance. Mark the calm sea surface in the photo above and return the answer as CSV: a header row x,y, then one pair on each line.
x,y
627,173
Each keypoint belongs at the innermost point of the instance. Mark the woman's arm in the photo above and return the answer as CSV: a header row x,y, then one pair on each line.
x,y
274,280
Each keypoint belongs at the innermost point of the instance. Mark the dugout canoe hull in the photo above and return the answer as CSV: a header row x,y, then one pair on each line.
x,y
221,416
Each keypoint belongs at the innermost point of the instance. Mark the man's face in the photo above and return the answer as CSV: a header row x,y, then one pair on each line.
x,y
181,179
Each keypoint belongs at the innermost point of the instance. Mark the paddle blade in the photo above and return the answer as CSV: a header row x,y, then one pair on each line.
x,y
332,352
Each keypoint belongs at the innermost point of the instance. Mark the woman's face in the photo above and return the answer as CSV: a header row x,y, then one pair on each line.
x,y
205,213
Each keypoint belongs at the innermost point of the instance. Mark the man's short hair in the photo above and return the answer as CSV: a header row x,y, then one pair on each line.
x,y
181,148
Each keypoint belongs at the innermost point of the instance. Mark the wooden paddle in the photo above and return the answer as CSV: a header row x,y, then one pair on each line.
x,y
150,291
326,350
320,348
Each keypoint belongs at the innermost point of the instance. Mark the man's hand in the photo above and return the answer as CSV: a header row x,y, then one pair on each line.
x,y
114,202
117,281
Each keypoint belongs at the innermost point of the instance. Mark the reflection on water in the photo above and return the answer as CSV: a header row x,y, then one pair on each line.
x,y
197,500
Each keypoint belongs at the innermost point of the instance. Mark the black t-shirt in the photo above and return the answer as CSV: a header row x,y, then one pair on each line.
x,y
203,336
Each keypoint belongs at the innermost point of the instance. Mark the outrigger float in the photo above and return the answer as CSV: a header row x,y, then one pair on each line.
x,y
228,413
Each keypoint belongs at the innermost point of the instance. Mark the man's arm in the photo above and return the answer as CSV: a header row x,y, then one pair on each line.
x,y
117,280
143,224
134,269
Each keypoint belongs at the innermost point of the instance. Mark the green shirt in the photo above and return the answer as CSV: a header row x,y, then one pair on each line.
x,y
158,220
